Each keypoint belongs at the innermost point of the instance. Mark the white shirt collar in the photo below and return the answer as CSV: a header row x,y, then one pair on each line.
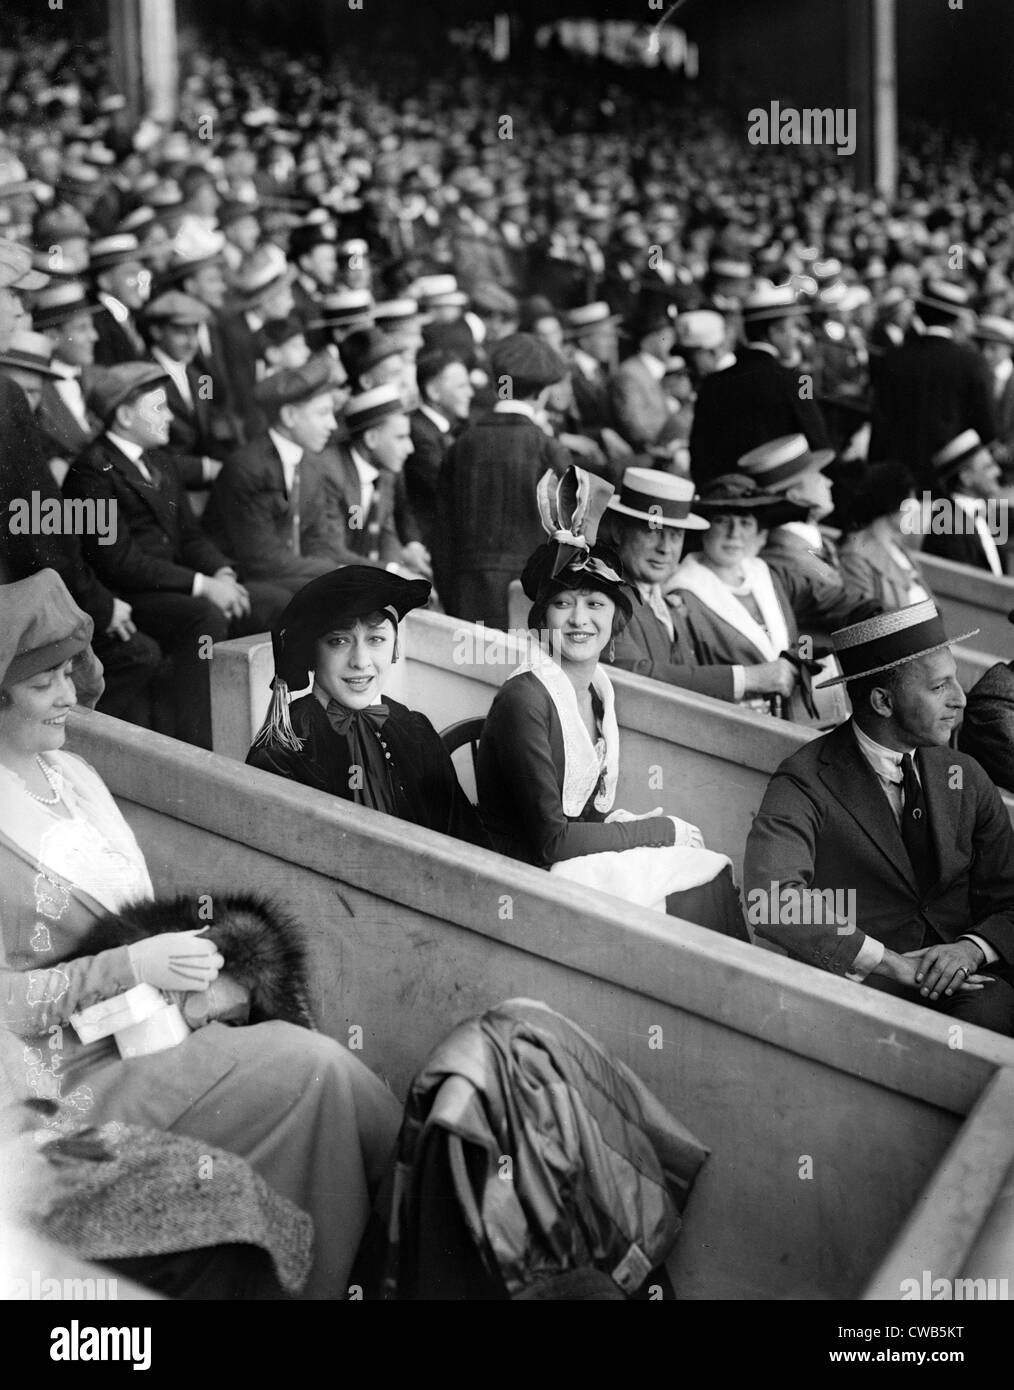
x,y
177,371
125,446
116,307
654,367
290,454
1003,370
885,762
938,331
64,370
586,364
514,408
441,421
366,470
764,347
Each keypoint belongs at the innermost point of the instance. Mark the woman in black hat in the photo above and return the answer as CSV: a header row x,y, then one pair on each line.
x,y
343,628
548,760
736,603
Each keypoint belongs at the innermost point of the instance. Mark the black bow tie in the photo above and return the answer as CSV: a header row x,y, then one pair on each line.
x,y
342,719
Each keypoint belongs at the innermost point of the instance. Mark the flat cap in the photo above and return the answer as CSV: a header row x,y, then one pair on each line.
x,y
292,385
529,362
122,383
176,307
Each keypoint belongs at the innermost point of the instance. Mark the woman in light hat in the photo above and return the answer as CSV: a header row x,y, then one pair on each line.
x,y
313,1121
646,523
341,632
548,759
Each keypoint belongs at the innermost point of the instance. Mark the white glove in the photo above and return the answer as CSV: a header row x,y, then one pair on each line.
x,y
686,834
180,960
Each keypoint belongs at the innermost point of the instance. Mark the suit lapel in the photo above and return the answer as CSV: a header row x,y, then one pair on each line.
x,y
154,495
939,796
850,779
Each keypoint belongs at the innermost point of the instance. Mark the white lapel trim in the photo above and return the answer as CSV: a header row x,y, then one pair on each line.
x,y
691,574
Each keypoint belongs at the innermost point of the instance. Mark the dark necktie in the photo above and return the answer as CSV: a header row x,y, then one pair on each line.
x,y
915,827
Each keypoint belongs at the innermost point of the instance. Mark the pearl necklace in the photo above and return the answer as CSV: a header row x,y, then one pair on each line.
x,y
53,778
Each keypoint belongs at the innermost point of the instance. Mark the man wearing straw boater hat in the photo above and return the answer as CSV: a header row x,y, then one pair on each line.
x,y
905,841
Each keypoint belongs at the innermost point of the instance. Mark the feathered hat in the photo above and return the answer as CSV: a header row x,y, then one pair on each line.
x,y
571,508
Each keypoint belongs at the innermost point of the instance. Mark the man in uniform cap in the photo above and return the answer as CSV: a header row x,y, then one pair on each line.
x,y
761,395
931,388
182,589
488,519
922,876
268,504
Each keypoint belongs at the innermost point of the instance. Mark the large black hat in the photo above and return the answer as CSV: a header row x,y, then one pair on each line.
x,y
328,602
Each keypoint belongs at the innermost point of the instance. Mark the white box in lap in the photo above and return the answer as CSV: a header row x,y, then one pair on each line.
x,y
141,1019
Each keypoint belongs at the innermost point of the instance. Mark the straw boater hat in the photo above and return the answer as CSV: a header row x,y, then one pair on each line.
x,y
770,301
889,640
777,464
949,460
661,499
29,352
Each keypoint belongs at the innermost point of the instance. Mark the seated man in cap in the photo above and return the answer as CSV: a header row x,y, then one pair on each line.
x,y
879,853
644,413
488,516
645,523
123,283
803,547
970,523
172,323
268,505
130,659
931,388
761,395
445,392
361,475
181,588
65,314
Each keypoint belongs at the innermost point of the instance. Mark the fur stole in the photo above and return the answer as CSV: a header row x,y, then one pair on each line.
x,y
264,948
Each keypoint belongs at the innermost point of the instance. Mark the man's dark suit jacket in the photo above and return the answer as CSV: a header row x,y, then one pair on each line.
x,y
158,544
987,733
963,549
489,518
825,823
645,646
926,393
592,402
752,401
355,539
422,476
240,351
59,427
249,512
115,343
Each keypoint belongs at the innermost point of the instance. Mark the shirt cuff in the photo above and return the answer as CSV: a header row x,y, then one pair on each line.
x,y
991,956
871,953
738,682
197,589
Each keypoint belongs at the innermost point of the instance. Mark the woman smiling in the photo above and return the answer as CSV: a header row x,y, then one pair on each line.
x,y
340,738
548,760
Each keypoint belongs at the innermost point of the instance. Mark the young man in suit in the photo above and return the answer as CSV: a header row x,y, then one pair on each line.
x,y
445,392
932,388
592,330
643,411
172,323
994,337
123,284
970,532
182,590
762,395
65,314
360,485
910,837
489,520
268,505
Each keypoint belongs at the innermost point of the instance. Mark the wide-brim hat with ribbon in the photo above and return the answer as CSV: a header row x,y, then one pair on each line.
x,y
327,604
571,509
42,628
60,302
949,460
29,352
770,301
945,297
776,464
661,499
889,640
737,494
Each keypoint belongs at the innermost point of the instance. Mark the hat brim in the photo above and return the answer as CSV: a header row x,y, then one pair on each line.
x,y
902,661
577,330
780,312
42,319
690,522
9,362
